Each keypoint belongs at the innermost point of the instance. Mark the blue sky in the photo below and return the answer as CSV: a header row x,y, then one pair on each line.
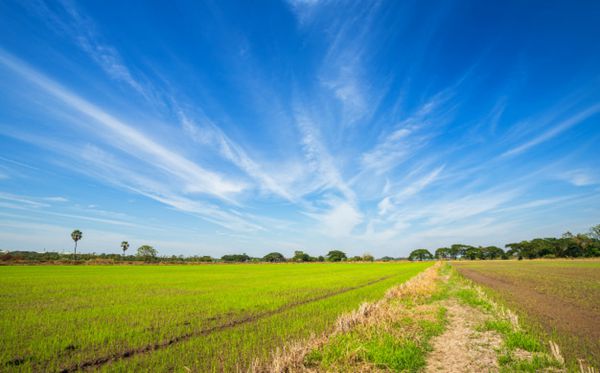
x,y
222,127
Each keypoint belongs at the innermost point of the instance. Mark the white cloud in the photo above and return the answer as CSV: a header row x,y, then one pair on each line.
x,y
385,205
555,131
320,160
56,199
580,177
71,23
210,134
339,220
195,178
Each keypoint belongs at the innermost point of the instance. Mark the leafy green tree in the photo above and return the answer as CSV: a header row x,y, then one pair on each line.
x,y
236,258
274,257
420,254
301,256
124,246
458,250
147,252
336,256
443,253
76,235
514,249
472,253
492,252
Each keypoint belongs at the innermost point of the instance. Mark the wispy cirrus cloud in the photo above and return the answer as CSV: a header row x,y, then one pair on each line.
x,y
555,130
580,177
209,134
196,178
65,18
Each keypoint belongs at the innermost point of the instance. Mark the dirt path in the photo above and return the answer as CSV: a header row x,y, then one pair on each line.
x,y
461,348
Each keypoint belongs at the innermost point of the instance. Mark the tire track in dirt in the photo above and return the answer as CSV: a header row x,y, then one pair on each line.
x,y
98,362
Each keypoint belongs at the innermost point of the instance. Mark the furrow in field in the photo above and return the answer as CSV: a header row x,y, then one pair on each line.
x,y
90,364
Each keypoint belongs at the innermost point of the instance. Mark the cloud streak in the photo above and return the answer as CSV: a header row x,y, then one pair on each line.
x,y
197,179
555,130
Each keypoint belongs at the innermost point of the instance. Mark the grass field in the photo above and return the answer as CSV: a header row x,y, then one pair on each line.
x,y
205,318
561,297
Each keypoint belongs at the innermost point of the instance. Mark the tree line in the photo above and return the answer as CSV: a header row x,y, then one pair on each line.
x,y
581,245
567,246
147,253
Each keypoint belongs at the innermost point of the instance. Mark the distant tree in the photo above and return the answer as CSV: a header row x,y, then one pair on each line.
x,y
492,252
301,256
147,252
595,232
368,257
472,253
274,257
76,235
420,254
386,259
567,234
513,248
355,258
124,246
336,256
236,258
321,258
443,253
458,250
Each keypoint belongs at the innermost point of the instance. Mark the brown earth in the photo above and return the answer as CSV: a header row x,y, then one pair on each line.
x,y
577,326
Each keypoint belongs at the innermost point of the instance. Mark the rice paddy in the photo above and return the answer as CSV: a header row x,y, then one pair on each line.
x,y
165,318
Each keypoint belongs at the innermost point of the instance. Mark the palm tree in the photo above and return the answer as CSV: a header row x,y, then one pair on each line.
x,y
76,236
124,246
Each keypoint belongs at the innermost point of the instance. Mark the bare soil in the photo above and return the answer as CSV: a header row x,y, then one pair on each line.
x,y
555,311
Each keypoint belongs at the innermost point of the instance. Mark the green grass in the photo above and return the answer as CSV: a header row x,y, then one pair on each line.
x,y
57,316
537,363
501,326
471,298
524,341
381,349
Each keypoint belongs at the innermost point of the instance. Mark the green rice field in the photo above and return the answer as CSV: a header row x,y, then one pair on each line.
x,y
175,318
